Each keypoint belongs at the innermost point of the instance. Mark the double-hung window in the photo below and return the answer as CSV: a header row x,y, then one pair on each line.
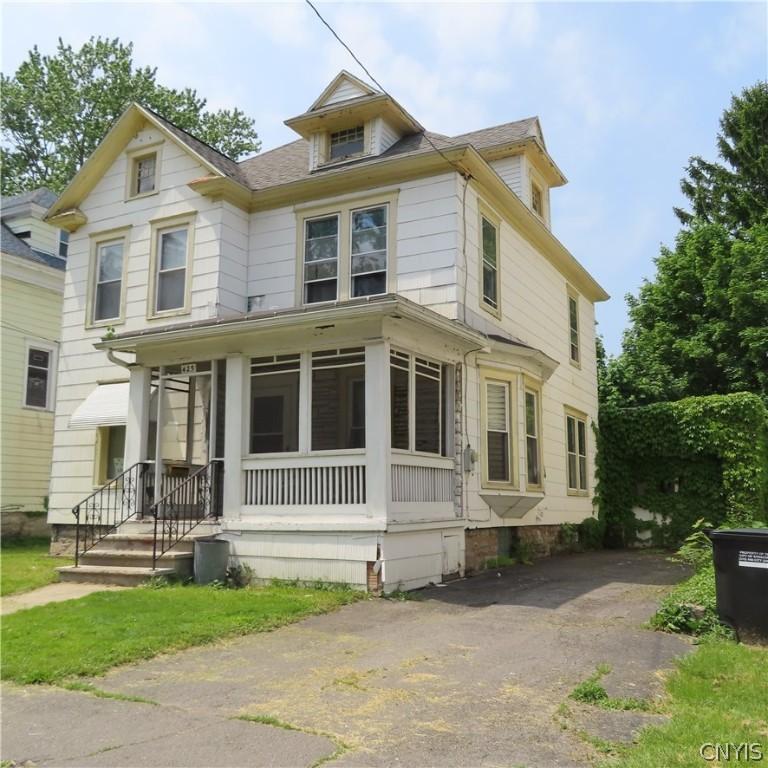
x,y
38,377
498,432
321,259
345,253
368,261
576,452
490,264
418,404
573,329
275,404
144,175
537,200
171,264
107,301
532,437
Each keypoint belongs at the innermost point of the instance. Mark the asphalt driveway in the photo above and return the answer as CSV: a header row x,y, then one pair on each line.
x,y
474,673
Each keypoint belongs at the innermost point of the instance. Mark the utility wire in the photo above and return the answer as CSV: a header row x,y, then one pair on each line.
x,y
365,69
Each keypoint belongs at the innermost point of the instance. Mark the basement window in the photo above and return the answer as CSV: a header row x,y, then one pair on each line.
x,y
347,143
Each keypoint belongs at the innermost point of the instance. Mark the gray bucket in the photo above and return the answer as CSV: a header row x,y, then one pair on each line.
x,y
211,560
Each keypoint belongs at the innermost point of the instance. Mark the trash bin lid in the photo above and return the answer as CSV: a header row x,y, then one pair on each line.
x,y
757,533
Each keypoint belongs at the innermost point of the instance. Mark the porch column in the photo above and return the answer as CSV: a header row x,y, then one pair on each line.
x,y
137,422
234,411
378,480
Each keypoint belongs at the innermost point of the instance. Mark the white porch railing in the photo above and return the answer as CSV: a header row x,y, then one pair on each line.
x,y
305,481
421,479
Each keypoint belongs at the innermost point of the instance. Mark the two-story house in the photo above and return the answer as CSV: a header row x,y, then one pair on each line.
x,y
32,261
361,357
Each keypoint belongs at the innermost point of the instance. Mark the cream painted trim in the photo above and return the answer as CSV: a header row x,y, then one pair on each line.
x,y
531,385
32,273
132,158
334,84
572,293
101,453
343,207
512,382
97,239
156,227
535,179
579,416
485,212
53,365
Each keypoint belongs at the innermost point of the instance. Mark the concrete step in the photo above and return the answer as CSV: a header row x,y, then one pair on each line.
x,y
103,574
181,562
141,542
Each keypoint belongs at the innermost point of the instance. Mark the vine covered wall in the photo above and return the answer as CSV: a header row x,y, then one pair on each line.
x,y
701,457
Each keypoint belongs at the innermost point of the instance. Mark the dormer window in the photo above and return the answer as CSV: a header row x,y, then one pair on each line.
x,y
537,200
346,143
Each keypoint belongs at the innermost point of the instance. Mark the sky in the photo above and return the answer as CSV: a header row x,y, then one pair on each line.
x,y
626,92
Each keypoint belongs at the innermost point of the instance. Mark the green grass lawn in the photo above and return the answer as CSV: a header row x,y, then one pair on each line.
x,y
718,694
85,637
25,564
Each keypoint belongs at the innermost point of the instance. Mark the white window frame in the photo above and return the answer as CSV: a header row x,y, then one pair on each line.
x,y
133,158
510,381
352,276
304,261
97,240
577,417
344,207
52,350
158,227
485,214
534,389
354,129
573,296
412,357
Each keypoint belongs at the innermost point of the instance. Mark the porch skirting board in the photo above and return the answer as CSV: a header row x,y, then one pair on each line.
x,y
400,560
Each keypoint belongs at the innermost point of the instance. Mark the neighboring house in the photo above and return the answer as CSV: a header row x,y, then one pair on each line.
x,y
32,266
364,351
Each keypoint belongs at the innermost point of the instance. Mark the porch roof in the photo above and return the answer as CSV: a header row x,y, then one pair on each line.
x,y
387,305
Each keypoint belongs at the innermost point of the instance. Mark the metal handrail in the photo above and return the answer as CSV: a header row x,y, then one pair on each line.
x,y
183,508
108,507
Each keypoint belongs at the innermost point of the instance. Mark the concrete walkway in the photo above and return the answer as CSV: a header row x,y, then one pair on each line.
x,y
471,674
52,593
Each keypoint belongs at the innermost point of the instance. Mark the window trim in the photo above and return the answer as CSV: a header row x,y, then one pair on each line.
x,y
303,246
529,385
344,208
101,453
536,179
387,270
156,227
98,239
484,212
511,380
577,416
572,295
536,187
132,157
52,350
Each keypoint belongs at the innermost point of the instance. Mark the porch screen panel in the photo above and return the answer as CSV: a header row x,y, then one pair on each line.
x,y
399,378
428,392
497,431
274,404
338,399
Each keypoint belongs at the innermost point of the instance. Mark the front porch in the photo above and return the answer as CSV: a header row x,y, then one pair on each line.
x,y
335,431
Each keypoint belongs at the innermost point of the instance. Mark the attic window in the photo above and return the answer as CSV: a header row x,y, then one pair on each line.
x,y
348,142
537,200
144,175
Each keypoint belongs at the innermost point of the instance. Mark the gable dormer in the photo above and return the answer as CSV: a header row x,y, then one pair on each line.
x,y
349,120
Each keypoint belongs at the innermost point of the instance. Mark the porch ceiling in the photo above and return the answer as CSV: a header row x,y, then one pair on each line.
x,y
362,319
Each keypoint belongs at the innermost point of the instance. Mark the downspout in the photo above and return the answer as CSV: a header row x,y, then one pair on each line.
x,y
117,361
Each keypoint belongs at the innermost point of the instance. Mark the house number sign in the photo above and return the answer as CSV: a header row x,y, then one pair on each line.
x,y
189,367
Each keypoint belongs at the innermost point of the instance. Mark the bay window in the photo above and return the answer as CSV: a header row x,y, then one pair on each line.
x,y
532,445
498,432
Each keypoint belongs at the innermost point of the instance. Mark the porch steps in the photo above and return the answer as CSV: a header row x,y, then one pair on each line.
x,y
110,574
125,557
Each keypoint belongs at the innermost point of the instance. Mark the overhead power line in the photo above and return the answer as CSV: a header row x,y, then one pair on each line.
x,y
365,69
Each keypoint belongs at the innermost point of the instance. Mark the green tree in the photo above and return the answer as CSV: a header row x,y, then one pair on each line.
x,y
700,327
735,193
56,109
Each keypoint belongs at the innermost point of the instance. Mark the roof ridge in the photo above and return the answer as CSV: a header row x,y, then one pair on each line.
x,y
499,125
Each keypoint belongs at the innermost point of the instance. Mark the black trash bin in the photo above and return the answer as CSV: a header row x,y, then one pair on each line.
x,y
741,578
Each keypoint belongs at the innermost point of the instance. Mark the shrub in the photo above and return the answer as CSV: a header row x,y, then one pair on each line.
x,y
591,533
690,607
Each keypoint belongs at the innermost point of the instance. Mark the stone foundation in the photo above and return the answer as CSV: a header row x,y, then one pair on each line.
x,y
17,524
480,544
543,540
63,539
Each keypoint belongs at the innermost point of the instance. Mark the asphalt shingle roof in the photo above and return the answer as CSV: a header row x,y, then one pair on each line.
x,y
15,246
41,196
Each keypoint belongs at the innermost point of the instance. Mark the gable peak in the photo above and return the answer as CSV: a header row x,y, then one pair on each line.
x,y
343,87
